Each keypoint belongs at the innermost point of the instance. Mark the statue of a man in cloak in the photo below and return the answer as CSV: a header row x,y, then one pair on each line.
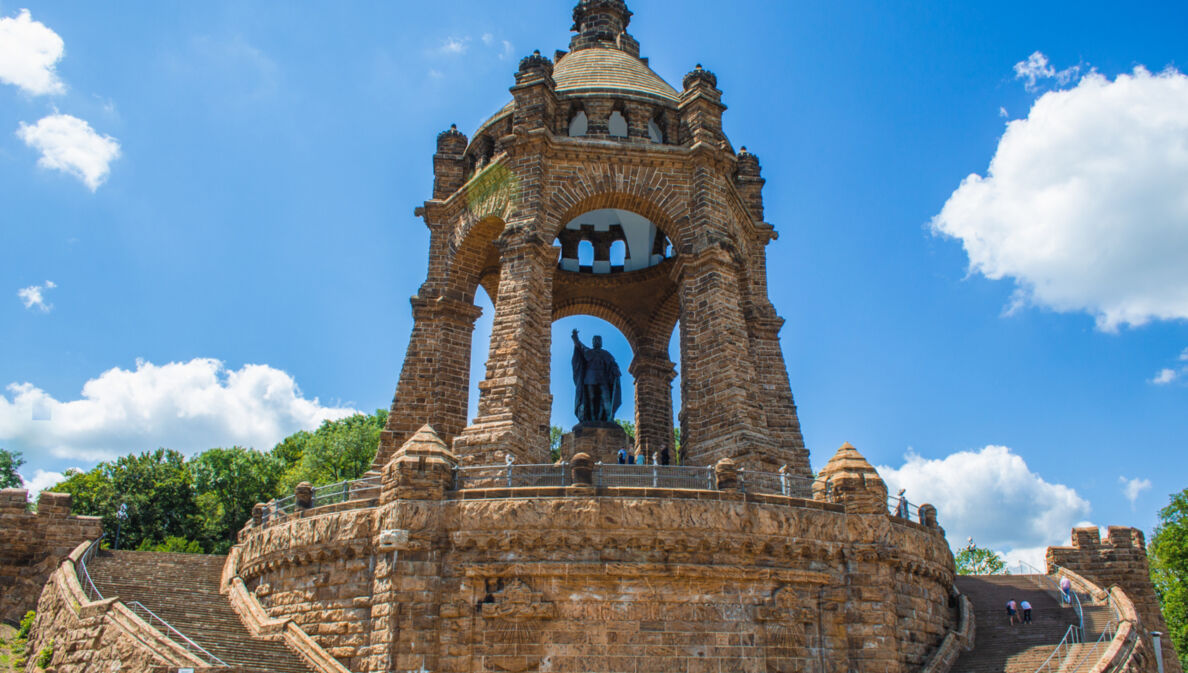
x,y
596,376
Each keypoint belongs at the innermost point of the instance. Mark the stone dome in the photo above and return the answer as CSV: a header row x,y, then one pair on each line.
x,y
604,70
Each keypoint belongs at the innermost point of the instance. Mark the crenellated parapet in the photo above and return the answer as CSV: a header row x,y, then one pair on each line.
x,y
33,543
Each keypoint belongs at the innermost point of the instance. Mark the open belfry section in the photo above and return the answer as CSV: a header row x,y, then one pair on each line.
x,y
595,148
598,190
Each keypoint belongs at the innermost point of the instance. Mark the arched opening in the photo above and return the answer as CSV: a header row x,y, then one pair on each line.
x,y
563,387
655,133
611,240
480,348
616,126
578,124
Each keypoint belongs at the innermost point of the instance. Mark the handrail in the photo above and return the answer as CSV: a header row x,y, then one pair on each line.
x,y
1070,638
210,658
1076,600
93,592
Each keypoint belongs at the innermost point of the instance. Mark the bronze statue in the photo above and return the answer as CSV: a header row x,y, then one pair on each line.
x,y
596,376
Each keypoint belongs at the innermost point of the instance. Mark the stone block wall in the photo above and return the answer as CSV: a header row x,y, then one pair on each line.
x,y
32,545
1120,560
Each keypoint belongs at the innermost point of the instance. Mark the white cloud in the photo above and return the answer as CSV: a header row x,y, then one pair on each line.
x,y
1002,112
1037,68
1132,488
42,479
70,145
992,496
1164,377
34,296
488,39
188,406
1184,355
1084,205
454,45
29,51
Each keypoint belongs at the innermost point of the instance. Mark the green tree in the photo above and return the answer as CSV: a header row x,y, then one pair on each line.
x,y
974,560
10,465
1168,554
157,487
336,451
628,427
227,483
555,434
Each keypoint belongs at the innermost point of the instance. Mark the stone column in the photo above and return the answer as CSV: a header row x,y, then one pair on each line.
x,y
514,399
775,393
435,380
718,417
653,373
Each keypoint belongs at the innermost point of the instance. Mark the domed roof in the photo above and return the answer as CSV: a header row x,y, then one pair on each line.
x,y
602,69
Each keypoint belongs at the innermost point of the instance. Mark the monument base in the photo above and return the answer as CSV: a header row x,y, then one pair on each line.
x,y
600,439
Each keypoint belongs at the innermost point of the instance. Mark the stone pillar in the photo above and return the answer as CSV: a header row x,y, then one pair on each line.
x,y
514,400
653,373
535,94
435,380
775,392
719,417
449,165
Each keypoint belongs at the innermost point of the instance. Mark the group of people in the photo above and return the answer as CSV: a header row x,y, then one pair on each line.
x,y
1013,609
658,457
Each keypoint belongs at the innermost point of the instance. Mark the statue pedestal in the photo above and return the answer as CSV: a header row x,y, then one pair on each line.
x,y
601,439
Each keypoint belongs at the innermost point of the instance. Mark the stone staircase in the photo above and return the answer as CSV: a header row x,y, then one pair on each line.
x,y
183,589
999,647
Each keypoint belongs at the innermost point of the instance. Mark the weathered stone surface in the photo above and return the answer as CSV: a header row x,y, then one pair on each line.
x,y
32,545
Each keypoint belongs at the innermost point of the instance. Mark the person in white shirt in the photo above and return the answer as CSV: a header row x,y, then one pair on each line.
x,y
1026,612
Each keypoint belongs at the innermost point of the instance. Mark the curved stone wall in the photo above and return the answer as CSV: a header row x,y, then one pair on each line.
x,y
573,580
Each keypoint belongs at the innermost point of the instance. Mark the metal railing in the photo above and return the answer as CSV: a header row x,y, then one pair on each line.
x,y
1026,568
1056,659
84,576
897,505
516,475
138,608
330,494
178,637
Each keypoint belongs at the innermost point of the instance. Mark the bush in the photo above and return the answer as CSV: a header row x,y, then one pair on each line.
x,y
46,655
26,625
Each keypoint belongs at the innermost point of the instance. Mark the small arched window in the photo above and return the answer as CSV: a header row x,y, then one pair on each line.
x,y
577,124
585,253
655,132
617,125
618,253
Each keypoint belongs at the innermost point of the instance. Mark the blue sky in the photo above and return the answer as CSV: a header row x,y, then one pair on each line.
x,y
236,190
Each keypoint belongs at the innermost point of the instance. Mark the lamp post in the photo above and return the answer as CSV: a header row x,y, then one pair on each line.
x,y
121,515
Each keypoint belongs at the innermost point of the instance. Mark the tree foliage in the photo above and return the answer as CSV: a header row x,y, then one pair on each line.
x,y
974,560
1168,554
10,465
198,505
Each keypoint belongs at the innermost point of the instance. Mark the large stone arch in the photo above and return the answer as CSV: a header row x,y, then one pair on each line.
x,y
604,311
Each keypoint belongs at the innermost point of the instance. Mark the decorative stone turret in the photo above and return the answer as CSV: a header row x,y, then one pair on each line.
x,y
602,23
850,480
422,469
449,166
749,182
701,108
535,93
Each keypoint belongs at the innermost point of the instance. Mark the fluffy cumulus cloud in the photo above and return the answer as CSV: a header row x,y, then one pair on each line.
x,y
1133,488
33,297
1037,68
42,479
1084,205
1164,376
992,496
188,406
29,52
70,145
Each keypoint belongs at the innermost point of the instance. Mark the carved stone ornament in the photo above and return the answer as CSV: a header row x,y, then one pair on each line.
x,y
785,605
517,602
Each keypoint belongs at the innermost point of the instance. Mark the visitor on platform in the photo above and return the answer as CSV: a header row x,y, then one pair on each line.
x,y
655,457
639,457
623,456
1012,611
1026,611
1065,590
901,508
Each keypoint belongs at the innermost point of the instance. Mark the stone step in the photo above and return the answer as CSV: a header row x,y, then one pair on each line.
x,y
183,589
1000,647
